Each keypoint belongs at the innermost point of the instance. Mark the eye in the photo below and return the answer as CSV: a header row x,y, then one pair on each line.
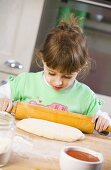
x,y
52,74
67,77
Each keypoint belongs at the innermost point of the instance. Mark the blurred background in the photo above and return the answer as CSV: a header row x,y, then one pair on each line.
x,y
24,25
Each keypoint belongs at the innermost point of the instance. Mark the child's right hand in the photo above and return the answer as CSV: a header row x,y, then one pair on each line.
x,y
5,104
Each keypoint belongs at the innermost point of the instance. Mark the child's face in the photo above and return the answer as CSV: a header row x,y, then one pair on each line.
x,y
57,80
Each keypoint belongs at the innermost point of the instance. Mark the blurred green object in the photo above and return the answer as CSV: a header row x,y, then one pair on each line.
x,y
81,15
65,12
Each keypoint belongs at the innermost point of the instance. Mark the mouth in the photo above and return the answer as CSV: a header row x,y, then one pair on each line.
x,y
57,88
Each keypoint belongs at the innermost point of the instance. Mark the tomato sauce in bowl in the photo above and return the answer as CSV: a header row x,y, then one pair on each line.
x,y
82,155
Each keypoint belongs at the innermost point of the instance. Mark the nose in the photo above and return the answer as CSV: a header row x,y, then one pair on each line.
x,y
58,82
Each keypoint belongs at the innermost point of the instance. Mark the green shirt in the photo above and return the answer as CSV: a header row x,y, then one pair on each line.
x,y
79,98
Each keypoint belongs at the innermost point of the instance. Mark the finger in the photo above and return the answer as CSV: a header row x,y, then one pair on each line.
x,y
0,108
9,106
4,106
105,125
101,126
1,105
94,118
98,124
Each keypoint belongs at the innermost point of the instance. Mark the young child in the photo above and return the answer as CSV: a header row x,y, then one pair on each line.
x,y
64,56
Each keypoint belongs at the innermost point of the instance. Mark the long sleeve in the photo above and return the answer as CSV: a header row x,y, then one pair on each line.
x,y
5,91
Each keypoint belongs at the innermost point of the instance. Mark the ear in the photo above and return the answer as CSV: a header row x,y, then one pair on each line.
x,y
78,71
43,62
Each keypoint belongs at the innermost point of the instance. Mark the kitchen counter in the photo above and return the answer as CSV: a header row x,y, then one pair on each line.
x,y
45,155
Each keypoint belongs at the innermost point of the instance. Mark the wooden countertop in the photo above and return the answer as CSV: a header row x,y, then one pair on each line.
x,y
98,143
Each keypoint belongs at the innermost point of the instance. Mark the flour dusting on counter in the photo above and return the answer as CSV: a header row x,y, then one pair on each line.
x,y
4,144
41,148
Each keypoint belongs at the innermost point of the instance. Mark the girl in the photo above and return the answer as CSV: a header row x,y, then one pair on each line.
x,y
64,56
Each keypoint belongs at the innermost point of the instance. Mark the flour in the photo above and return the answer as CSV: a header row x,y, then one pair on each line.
x,y
5,150
46,149
5,143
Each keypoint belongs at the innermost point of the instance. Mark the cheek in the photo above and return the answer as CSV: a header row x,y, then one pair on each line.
x,y
70,82
48,78
66,83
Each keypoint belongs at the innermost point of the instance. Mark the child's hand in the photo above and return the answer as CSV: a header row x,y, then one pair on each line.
x,y
102,121
5,104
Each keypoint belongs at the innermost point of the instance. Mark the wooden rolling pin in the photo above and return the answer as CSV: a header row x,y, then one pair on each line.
x,y
82,122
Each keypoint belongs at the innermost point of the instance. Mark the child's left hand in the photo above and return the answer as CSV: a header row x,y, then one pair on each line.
x,y
102,121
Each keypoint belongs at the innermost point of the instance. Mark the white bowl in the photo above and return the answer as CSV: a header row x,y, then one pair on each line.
x,y
70,163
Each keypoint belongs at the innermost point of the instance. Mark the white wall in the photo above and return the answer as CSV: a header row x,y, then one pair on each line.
x,y
107,103
19,24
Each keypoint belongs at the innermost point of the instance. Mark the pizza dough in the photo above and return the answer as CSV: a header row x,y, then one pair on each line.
x,y
50,130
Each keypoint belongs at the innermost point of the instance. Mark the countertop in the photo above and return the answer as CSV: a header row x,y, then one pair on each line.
x,y
45,152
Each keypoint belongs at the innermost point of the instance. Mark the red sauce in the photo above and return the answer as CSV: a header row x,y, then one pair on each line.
x,y
82,156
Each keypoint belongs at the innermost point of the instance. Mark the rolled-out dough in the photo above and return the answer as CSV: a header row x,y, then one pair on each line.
x,y
50,130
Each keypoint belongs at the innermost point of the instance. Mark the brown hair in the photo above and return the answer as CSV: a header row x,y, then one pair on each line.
x,y
65,48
